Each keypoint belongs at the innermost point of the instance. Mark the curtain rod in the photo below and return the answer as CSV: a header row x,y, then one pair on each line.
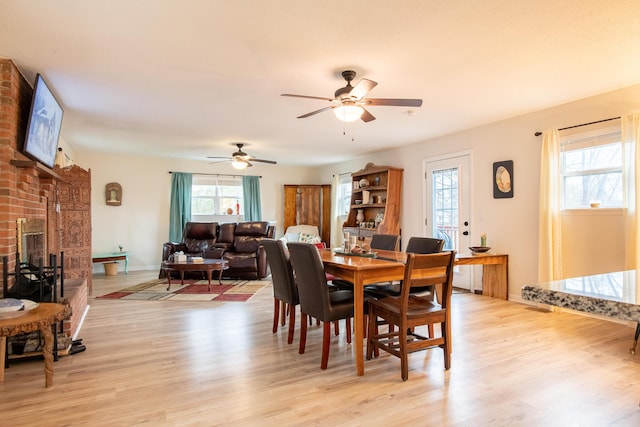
x,y
215,174
583,124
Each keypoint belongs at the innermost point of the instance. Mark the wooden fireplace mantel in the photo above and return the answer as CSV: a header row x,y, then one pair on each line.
x,y
22,161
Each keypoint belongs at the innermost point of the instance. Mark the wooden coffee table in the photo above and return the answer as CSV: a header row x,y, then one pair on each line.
x,y
207,265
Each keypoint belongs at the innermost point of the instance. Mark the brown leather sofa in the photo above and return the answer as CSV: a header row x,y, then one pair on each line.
x,y
238,243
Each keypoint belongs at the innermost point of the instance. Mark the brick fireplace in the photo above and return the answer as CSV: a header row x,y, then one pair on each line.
x,y
55,200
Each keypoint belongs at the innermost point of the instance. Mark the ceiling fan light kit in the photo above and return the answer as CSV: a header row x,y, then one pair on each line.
x,y
240,164
351,100
348,112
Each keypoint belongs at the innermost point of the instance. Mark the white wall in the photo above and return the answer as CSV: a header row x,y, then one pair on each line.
x,y
141,223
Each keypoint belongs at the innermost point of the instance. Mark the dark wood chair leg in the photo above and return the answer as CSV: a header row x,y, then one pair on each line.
x,y
283,310
348,321
326,341
336,327
292,323
276,314
303,333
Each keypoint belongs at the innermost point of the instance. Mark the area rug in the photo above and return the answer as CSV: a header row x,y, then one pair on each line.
x,y
192,290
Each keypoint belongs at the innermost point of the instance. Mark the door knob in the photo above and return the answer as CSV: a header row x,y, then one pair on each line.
x,y
466,223
465,233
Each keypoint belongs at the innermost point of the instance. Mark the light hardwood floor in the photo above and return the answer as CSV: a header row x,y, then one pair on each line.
x,y
206,364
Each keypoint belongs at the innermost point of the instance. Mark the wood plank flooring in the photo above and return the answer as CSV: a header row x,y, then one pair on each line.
x,y
218,364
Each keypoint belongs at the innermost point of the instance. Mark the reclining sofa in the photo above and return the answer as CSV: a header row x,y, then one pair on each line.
x,y
238,243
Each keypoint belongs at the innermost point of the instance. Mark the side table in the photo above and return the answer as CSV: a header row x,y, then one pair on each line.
x,y
41,318
112,256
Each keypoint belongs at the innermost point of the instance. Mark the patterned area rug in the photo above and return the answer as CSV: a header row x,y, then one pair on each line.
x,y
192,290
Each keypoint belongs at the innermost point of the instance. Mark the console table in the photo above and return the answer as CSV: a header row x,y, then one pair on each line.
x,y
41,318
112,256
615,295
495,272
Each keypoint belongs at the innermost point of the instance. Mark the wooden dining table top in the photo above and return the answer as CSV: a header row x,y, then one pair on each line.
x,y
384,256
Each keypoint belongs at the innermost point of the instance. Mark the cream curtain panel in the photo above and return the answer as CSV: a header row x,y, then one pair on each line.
x,y
549,230
631,152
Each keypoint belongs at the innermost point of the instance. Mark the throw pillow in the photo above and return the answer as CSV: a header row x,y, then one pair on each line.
x,y
308,238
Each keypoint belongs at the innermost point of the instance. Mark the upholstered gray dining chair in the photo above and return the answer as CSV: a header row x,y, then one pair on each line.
x,y
284,285
315,298
388,242
416,245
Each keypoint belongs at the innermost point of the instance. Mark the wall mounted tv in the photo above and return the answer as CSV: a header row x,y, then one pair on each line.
x,y
45,121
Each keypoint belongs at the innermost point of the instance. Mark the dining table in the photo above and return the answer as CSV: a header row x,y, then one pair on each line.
x,y
361,270
385,266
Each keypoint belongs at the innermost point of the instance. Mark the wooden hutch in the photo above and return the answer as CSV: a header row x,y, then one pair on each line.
x,y
380,214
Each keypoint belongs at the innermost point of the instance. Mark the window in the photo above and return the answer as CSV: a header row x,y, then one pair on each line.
x,y
344,194
216,195
591,163
445,207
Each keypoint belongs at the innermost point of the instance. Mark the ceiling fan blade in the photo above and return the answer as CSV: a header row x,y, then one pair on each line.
x,y
393,102
362,88
314,112
272,162
216,157
367,116
308,97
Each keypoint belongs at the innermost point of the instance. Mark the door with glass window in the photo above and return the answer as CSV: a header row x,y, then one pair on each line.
x,y
447,207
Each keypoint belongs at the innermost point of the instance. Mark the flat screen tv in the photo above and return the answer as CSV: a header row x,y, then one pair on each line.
x,y
45,121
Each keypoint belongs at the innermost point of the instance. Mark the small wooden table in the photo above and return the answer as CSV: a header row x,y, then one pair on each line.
x,y
41,318
112,256
207,265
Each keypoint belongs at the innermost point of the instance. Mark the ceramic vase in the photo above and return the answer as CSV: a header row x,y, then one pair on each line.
x,y
360,216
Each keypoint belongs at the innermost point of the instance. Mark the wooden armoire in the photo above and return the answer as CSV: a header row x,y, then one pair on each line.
x,y
309,204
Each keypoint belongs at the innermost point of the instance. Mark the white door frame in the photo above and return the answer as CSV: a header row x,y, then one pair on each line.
x,y
464,274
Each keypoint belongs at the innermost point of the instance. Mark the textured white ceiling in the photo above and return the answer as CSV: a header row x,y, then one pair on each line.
x,y
189,78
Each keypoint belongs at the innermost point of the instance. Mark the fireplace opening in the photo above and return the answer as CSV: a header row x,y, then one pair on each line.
x,y
33,278
32,241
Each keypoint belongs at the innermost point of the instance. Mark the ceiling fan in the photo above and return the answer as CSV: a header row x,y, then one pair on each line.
x,y
349,101
242,160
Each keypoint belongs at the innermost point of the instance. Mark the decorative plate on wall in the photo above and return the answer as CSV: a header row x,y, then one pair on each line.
x,y
503,179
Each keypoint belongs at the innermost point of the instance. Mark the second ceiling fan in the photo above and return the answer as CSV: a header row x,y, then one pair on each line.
x,y
349,101
241,160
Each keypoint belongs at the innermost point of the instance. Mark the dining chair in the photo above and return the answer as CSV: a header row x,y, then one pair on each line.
x,y
285,291
387,242
315,298
408,311
424,245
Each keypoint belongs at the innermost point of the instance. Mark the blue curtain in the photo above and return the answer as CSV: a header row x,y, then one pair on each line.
x,y
251,194
180,210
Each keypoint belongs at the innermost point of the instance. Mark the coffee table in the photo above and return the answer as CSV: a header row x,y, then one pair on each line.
x,y
207,265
